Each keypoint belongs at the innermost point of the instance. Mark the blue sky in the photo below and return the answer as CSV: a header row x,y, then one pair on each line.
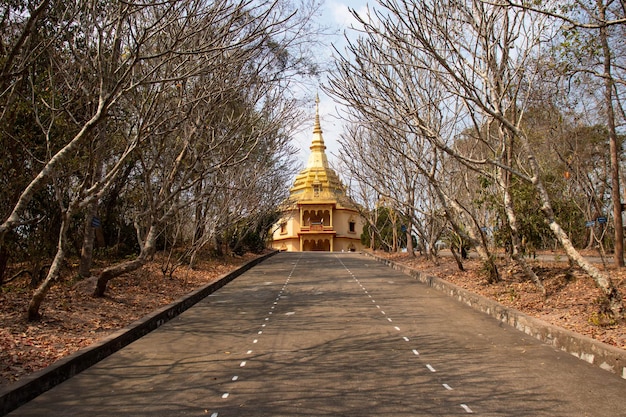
x,y
334,14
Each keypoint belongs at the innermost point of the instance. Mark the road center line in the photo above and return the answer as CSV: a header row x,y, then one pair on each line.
x,y
466,408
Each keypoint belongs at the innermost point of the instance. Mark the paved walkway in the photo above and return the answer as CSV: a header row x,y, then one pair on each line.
x,y
320,334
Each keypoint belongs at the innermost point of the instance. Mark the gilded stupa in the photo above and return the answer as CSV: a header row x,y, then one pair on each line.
x,y
318,216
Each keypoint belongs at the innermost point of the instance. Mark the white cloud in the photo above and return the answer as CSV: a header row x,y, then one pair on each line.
x,y
340,12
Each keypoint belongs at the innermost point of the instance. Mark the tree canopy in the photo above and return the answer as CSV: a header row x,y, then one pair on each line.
x,y
504,118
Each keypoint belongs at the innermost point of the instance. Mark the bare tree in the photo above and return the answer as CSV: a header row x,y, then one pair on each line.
x,y
480,57
381,85
593,34
172,92
232,114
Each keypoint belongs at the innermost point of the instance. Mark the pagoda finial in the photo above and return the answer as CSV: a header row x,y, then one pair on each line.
x,y
317,128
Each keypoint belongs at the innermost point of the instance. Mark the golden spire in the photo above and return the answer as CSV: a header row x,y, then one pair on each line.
x,y
317,171
317,128
317,157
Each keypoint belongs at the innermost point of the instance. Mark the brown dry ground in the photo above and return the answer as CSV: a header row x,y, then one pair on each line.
x,y
73,319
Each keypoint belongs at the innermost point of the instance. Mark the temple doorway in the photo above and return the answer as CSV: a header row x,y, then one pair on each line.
x,y
320,245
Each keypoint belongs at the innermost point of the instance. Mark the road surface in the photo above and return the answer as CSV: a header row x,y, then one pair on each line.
x,y
322,334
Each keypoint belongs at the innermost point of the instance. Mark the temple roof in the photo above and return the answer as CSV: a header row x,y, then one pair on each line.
x,y
317,182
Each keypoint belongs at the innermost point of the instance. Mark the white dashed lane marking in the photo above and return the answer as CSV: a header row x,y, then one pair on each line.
x,y
406,339
242,364
235,378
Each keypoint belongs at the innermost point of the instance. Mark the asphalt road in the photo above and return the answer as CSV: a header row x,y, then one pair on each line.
x,y
321,334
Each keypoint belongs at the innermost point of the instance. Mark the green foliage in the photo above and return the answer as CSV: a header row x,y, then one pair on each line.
x,y
250,234
456,241
532,226
383,230
573,161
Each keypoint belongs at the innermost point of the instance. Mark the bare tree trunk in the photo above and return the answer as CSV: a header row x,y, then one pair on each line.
x,y
410,201
602,281
373,230
55,269
4,260
395,248
409,239
478,242
48,171
616,195
193,255
42,290
455,254
516,252
430,254
86,253
147,250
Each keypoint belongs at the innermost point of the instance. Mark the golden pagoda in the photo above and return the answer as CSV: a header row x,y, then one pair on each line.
x,y
318,215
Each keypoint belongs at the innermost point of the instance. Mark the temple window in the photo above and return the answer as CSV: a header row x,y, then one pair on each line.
x,y
352,227
317,189
283,227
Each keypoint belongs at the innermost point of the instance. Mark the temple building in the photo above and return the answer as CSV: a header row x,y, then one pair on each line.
x,y
319,215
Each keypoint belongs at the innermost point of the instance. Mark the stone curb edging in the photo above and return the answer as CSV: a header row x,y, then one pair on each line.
x,y
29,387
607,357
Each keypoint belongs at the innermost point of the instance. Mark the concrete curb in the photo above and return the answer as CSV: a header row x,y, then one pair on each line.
x,y
607,357
24,390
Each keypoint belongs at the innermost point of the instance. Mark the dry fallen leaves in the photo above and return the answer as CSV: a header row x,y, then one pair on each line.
x,y
73,319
